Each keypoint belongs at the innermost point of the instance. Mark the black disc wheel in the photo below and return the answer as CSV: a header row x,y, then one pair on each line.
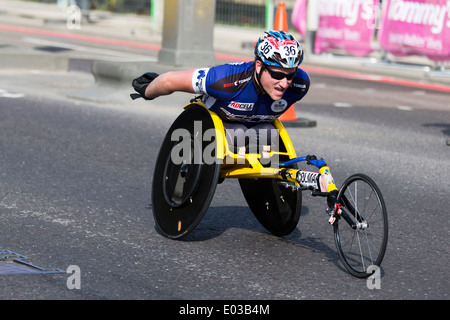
x,y
185,178
276,204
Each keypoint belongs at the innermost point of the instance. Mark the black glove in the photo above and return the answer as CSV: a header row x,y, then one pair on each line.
x,y
141,83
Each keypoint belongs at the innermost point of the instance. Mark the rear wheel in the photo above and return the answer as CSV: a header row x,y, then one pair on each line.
x,y
183,184
276,204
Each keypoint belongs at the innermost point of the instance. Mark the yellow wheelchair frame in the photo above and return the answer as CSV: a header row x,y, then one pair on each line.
x,y
182,191
234,167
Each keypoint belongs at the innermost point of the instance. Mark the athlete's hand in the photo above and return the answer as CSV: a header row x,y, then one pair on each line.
x,y
141,83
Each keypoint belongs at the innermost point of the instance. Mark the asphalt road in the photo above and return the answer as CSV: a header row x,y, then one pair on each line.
x,y
75,183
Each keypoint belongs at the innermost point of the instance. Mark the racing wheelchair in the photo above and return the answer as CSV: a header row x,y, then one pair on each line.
x,y
196,155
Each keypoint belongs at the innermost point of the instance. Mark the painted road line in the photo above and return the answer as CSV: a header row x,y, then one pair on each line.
x,y
405,108
6,94
79,37
342,105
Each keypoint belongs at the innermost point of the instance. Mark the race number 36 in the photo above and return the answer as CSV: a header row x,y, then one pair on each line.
x,y
288,51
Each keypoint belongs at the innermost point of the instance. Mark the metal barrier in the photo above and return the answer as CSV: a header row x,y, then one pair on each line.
x,y
249,13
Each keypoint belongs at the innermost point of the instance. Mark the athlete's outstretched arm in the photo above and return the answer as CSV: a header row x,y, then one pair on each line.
x,y
170,82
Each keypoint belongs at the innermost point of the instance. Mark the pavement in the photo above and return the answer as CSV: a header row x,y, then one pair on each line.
x,y
140,40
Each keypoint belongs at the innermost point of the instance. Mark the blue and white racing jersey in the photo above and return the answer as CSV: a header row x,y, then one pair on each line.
x,y
231,91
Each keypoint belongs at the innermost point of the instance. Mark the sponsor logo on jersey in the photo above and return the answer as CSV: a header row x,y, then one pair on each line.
x,y
233,82
248,118
279,105
299,85
241,106
236,83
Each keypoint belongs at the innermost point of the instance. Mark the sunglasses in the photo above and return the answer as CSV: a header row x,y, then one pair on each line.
x,y
281,75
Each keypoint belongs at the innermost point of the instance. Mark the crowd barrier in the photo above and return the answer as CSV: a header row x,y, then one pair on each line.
x,y
401,28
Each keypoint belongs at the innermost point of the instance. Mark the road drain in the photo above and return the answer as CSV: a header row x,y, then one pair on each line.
x,y
15,263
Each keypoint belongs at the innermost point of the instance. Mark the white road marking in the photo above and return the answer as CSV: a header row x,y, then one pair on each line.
x,y
342,105
5,94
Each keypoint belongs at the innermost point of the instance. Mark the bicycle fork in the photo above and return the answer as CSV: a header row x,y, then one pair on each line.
x,y
327,187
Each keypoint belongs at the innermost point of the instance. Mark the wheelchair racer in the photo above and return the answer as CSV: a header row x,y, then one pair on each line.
x,y
244,95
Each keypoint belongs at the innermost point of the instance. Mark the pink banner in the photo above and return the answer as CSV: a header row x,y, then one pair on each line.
x,y
346,24
419,27
298,17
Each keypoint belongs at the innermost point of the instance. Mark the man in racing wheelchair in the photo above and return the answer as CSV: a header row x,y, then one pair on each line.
x,y
247,97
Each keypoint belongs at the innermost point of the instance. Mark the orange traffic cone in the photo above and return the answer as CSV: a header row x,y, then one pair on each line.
x,y
281,21
289,115
281,24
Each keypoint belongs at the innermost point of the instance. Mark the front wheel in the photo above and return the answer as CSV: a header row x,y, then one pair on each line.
x,y
364,245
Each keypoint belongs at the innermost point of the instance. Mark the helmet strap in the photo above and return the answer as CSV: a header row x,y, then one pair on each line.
x,y
258,77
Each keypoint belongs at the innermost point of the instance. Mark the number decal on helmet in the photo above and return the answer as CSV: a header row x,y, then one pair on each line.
x,y
279,49
266,48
